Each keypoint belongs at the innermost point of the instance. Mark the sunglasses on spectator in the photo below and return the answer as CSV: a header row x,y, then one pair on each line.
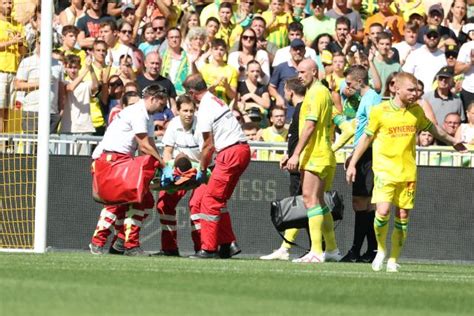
x,y
158,28
116,83
249,2
126,31
248,37
432,36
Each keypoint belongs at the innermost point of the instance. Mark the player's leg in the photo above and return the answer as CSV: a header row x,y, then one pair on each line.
x,y
404,200
313,198
166,207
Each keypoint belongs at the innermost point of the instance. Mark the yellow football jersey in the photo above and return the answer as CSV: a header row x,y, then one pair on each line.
x,y
212,74
394,129
317,106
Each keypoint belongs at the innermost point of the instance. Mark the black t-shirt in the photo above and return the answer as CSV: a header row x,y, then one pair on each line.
x,y
143,82
242,89
293,130
91,26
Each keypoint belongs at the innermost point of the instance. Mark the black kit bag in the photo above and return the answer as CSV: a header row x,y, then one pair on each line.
x,y
291,213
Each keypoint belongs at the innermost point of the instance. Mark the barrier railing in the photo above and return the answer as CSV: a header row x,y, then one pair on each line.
x,y
83,145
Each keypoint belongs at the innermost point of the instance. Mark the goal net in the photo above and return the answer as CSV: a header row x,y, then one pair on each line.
x,y
25,79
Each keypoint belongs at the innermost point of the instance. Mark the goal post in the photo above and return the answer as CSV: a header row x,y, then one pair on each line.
x,y
24,156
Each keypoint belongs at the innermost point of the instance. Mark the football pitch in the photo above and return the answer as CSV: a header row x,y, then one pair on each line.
x,y
63,283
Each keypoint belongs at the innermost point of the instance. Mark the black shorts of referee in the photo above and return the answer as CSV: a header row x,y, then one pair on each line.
x,y
364,180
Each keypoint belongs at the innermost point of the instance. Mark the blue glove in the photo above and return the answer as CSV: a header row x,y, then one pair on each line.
x,y
201,176
167,177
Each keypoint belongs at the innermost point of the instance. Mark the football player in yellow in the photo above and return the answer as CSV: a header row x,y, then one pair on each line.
x,y
392,128
316,162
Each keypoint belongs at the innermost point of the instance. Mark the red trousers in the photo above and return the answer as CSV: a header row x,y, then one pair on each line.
x,y
216,226
124,220
166,207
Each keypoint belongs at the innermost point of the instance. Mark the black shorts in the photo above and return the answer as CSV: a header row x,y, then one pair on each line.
x,y
364,181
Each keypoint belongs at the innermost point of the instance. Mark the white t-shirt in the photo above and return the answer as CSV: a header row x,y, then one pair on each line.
x,y
261,57
182,141
404,49
29,71
216,117
464,56
424,65
77,112
120,135
283,55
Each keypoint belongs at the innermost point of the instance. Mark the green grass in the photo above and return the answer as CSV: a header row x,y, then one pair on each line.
x,y
82,284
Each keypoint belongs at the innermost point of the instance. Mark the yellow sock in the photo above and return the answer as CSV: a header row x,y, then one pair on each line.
x,y
347,132
328,231
290,235
381,230
315,221
399,235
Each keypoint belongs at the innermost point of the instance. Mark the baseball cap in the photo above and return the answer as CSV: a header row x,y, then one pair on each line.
x,y
130,6
438,8
446,72
451,50
296,43
432,29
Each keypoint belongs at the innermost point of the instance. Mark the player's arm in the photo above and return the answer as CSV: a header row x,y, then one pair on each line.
x,y
207,150
364,143
147,146
440,134
308,129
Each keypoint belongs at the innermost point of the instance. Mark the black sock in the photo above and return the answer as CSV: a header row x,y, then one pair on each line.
x,y
371,241
360,229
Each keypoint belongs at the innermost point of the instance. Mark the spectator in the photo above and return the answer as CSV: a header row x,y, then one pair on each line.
x,y
76,118
160,25
457,17
321,43
275,133
12,38
212,11
189,20
408,9
391,22
409,45
423,62
383,61
152,76
148,41
69,34
277,21
89,24
123,46
219,76
251,93
125,70
451,123
228,31
212,27
341,10
195,41
247,52
343,38
244,13
425,105
176,65
112,91
259,26
295,30
442,100
298,10
465,132
27,80
425,139
435,18
71,14
128,98
285,71
318,23
465,65
250,130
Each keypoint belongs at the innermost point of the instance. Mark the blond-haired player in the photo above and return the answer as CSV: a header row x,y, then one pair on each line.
x,y
392,128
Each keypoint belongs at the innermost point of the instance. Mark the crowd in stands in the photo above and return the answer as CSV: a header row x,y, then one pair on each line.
x,y
106,52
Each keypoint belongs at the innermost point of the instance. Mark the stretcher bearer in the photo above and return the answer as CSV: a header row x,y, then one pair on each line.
x,y
178,140
221,132
132,129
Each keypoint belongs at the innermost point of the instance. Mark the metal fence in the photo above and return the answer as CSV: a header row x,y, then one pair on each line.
x,y
83,145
